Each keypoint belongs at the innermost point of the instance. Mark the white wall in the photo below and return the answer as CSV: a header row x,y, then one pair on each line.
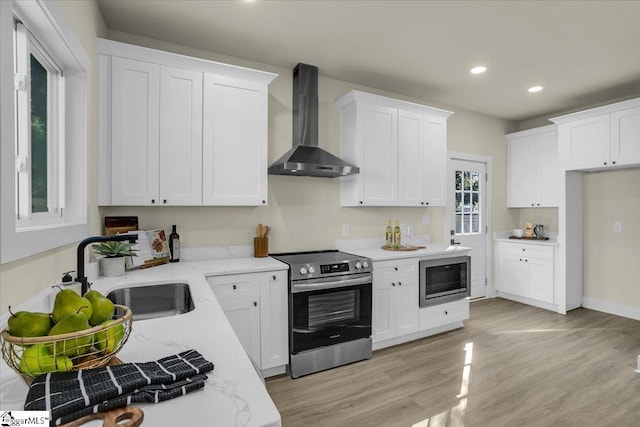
x,y
305,212
21,279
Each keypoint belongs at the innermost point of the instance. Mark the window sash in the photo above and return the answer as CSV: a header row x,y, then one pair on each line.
x,y
25,46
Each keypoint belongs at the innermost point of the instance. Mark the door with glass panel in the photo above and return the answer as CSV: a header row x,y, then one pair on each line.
x,y
468,216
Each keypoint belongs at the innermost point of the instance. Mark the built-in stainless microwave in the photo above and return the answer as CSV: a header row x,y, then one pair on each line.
x,y
444,280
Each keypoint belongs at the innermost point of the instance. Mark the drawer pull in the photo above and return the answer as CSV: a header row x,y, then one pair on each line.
x,y
235,287
255,303
446,313
273,277
399,283
395,268
393,284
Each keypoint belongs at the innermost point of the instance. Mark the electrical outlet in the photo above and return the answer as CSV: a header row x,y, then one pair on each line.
x,y
426,219
345,229
617,227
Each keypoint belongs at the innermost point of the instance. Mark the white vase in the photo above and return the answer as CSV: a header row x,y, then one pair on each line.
x,y
112,267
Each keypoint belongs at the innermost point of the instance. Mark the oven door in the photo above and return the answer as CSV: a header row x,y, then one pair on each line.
x,y
329,311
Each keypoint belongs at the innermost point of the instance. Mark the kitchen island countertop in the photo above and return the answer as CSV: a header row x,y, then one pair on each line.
x,y
234,394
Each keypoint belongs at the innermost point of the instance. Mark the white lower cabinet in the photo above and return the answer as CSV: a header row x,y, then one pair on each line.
x,y
444,314
256,306
525,270
395,298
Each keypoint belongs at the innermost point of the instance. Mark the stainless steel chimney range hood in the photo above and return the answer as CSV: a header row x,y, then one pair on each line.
x,y
306,158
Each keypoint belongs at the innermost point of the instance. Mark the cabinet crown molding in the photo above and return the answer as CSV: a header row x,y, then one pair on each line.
x,y
534,131
359,96
605,109
139,53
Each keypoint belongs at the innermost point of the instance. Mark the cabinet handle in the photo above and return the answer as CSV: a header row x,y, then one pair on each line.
x,y
532,204
422,203
153,201
273,277
264,202
523,250
361,202
399,283
526,260
446,313
235,287
613,163
395,268
605,163
538,204
255,303
393,284
164,201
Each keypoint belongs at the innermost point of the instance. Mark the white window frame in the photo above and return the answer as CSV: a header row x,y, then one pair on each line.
x,y
25,45
48,24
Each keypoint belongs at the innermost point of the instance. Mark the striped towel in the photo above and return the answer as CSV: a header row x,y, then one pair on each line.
x,y
72,395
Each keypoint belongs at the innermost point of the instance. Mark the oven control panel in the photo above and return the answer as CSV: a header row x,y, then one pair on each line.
x,y
334,268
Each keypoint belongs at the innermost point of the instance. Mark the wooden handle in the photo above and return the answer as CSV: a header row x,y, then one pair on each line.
x,y
113,418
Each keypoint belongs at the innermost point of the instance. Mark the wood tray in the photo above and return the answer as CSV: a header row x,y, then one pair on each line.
x,y
528,238
403,248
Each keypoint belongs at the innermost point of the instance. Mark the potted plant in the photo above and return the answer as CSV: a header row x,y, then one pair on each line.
x,y
113,264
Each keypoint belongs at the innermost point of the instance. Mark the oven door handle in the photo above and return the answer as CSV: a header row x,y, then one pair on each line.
x,y
317,286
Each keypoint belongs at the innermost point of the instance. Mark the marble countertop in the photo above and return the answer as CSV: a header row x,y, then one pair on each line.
x,y
431,251
234,394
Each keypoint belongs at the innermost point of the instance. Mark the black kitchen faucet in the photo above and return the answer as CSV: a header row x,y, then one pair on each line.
x,y
81,278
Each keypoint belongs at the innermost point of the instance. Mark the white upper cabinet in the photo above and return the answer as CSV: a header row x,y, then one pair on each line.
x,y
180,136
400,148
533,171
235,142
135,132
600,138
176,130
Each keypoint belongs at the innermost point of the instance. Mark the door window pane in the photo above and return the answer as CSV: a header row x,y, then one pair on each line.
x,y
467,202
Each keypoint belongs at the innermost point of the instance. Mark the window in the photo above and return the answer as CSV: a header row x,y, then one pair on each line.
x,y
39,86
44,130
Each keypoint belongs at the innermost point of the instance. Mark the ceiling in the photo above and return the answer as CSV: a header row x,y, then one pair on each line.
x,y
583,52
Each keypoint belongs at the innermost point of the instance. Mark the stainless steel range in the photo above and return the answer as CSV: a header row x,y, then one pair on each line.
x,y
329,310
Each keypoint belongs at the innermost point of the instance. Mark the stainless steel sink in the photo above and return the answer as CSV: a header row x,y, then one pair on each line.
x,y
153,301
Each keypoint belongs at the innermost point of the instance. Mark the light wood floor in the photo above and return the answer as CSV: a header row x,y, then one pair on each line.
x,y
522,366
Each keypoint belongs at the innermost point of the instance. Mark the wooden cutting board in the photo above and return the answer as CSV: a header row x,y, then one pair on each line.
x,y
128,416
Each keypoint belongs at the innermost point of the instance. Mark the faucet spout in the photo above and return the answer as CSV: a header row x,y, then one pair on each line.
x,y
80,277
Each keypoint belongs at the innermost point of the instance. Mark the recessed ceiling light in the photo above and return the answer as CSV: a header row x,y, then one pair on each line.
x,y
478,70
533,89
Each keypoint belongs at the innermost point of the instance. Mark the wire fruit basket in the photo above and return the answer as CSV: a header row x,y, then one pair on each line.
x,y
85,349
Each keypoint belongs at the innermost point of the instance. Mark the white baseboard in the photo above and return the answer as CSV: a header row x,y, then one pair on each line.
x,y
611,307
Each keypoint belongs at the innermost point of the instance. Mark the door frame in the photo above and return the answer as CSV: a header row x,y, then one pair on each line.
x,y
448,221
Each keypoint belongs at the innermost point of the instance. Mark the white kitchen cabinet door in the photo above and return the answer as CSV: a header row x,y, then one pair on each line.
x,y
384,310
135,124
406,305
584,143
522,174
540,279
411,143
510,274
625,137
434,163
378,178
244,316
274,322
234,150
547,170
180,136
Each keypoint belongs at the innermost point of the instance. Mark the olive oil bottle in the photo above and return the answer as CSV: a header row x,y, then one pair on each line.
x,y
389,235
174,244
396,235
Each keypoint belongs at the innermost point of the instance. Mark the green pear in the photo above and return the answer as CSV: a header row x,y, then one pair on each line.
x,y
108,339
102,306
67,302
71,347
28,324
38,359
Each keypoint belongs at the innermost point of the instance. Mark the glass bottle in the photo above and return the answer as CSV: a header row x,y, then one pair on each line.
x,y
389,235
174,244
396,235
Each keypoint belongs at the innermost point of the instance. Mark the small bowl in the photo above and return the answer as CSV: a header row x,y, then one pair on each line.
x,y
518,232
